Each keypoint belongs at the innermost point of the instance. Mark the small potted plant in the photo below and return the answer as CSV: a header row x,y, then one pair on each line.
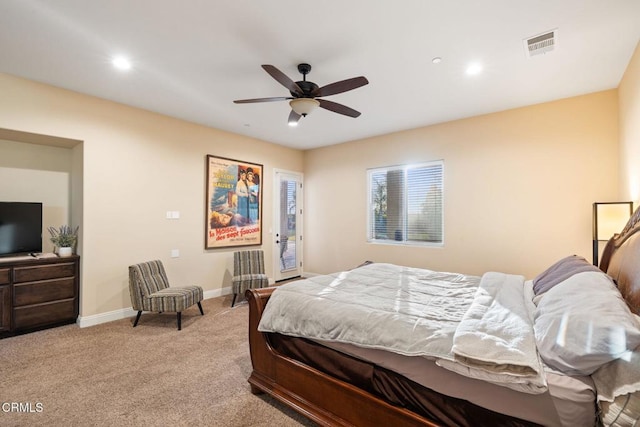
x,y
64,238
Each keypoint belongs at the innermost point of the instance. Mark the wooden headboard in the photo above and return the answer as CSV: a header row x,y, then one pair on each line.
x,y
621,261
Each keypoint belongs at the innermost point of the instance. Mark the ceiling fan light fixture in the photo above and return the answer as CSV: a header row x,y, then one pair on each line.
x,y
303,106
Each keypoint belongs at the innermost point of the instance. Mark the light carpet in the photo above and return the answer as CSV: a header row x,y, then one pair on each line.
x,y
116,375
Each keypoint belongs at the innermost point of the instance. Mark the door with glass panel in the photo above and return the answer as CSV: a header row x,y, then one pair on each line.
x,y
287,225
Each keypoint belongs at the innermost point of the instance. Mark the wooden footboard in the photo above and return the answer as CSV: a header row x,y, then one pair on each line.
x,y
323,399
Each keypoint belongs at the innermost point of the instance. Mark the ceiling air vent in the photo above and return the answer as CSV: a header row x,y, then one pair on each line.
x,y
541,44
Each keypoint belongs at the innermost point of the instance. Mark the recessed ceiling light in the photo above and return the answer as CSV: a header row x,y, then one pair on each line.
x,y
121,63
474,69
436,60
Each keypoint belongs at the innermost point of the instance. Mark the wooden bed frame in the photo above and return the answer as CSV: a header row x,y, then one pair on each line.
x,y
316,395
332,402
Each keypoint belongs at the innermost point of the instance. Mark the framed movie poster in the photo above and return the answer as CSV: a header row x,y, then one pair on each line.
x,y
234,203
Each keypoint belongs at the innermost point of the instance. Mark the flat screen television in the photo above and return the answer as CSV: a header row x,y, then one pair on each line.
x,y
20,228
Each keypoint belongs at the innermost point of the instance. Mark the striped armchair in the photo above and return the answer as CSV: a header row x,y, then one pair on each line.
x,y
248,272
150,291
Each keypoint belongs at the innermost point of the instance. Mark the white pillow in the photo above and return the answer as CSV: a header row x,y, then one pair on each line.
x,y
583,323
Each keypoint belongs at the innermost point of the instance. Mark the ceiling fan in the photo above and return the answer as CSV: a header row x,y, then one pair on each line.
x,y
304,93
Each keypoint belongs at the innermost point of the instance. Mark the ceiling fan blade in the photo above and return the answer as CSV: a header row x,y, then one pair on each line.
x,y
275,98
283,79
341,86
293,118
338,108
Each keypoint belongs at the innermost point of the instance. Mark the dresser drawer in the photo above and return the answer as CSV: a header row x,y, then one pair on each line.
x,y
38,293
4,276
43,272
5,308
43,314
43,291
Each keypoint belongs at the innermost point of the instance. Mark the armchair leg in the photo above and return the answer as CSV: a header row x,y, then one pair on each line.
x,y
200,307
137,318
179,321
234,299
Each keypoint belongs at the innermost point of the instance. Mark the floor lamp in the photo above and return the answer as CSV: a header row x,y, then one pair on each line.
x,y
609,218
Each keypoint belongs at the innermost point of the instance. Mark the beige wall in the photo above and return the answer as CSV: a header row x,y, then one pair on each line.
x,y
130,168
629,94
518,186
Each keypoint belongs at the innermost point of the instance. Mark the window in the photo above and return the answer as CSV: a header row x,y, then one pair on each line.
x,y
405,204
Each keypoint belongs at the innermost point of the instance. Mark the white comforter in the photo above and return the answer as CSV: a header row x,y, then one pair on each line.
x,y
495,341
479,327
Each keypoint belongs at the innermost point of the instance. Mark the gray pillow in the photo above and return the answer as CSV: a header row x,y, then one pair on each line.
x,y
583,324
561,271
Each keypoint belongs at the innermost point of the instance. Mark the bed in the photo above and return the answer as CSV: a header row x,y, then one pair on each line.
x,y
314,366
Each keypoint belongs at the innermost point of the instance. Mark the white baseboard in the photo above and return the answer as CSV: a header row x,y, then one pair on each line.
x,y
110,316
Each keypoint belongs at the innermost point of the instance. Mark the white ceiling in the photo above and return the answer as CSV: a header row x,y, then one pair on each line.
x,y
192,58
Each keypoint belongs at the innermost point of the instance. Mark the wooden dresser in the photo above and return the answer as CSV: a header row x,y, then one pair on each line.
x,y
38,293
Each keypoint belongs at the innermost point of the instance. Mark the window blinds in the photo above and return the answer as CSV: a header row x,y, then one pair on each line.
x,y
406,203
